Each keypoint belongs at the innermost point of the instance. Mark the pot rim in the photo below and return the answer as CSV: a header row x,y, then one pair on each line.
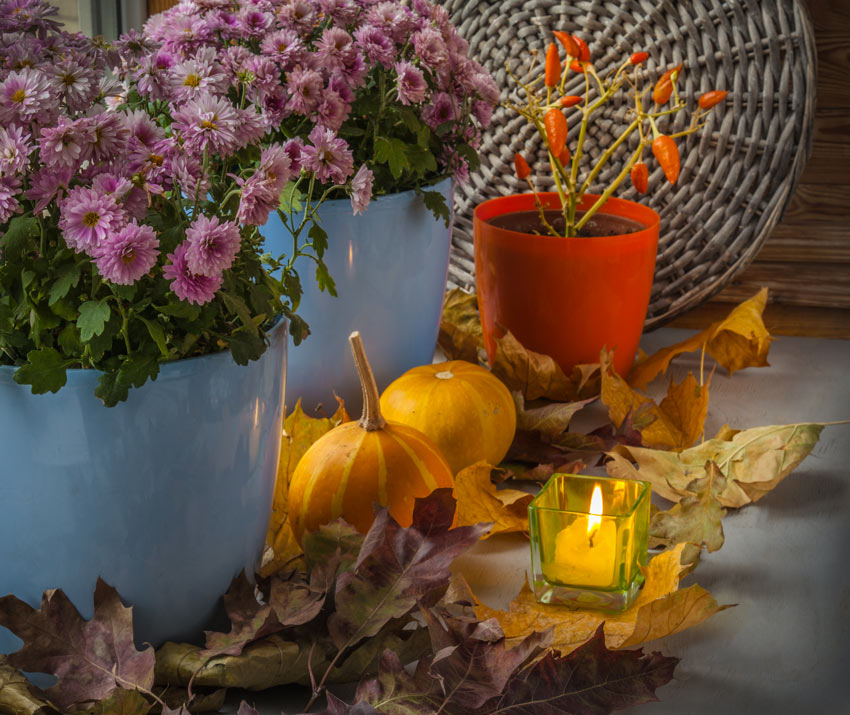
x,y
167,370
550,199
444,185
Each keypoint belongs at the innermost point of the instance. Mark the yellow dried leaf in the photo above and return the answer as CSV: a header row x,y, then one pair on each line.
x,y
674,424
299,433
479,501
740,340
659,610
460,335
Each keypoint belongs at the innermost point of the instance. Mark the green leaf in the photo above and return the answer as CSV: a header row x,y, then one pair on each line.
x,y
471,156
235,303
394,153
68,277
44,371
324,279
157,334
291,199
180,309
245,347
422,158
114,387
93,317
435,202
69,340
319,238
17,237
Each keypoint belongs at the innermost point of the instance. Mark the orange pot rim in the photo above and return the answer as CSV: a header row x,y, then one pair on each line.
x,y
645,215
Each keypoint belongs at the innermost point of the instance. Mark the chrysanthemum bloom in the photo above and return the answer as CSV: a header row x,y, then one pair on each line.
x,y
66,144
254,23
332,111
305,87
439,111
430,48
46,183
411,86
483,112
25,96
361,189
256,202
110,135
376,45
213,245
88,218
392,18
186,285
15,148
75,82
300,15
188,170
198,75
329,158
9,204
115,186
334,49
127,255
342,12
153,79
210,123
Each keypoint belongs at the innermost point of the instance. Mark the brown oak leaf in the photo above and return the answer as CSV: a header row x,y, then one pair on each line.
x,y
17,694
460,335
90,659
479,501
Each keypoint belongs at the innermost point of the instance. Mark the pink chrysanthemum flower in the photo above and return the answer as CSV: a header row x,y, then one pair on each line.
x,y
430,48
208,123
66,144
305,87
378,47
212,245
254,23
411,86
47,183
300,15
439,111
110,135
9,204
329,157
342,12
88,218
334,49
256,202
76,83
332,111
127,255
196,76
392,18
15,148
25,96
483,112
153,75
186,285
116,186
361,189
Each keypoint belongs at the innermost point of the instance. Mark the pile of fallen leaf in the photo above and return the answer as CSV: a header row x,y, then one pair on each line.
x,y
350,608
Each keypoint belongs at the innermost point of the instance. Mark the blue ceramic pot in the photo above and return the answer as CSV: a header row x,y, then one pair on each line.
x,y
167,495
390,266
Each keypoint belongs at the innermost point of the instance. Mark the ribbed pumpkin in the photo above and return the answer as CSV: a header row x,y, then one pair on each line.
x,y
465,410
359,463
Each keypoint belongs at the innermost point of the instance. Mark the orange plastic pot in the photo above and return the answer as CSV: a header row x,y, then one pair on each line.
x,y
565,297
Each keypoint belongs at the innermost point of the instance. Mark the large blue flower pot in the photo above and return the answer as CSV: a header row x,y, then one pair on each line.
x,y
167,496
390,266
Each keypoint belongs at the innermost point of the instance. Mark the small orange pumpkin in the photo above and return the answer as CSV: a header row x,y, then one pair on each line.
x,y
358,463
465,410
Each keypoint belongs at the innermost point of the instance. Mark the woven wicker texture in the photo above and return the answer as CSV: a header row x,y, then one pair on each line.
x,y
738,173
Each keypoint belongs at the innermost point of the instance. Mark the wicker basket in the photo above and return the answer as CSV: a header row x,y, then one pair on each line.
x,y
738,173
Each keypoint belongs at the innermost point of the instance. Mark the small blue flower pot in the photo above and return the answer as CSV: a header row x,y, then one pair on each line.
x,y
390,266
167,496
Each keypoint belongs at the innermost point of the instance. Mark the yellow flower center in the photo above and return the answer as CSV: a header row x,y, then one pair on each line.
x,y
128,256
91,219
192,80
19,96
68,79
207,124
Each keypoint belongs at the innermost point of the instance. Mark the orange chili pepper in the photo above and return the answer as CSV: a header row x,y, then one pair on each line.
x,y
570,100
667,153
638,57
709,99
553,66
640,177
570,45
564,156
663,89
523,170
556,130
583,55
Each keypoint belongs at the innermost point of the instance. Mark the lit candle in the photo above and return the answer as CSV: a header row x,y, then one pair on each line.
x,y
585,551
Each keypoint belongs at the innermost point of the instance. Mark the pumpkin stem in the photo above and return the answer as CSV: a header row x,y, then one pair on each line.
x,y
372,418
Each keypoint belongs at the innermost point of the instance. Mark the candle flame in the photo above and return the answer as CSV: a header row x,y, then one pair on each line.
x,y
595,518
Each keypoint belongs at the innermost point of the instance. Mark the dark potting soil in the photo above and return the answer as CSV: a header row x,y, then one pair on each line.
x,y
598,225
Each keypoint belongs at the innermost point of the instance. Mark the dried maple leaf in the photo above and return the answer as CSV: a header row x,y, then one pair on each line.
x,y
127,702
17,695
460,335
753,462
90,659
539,473
739,341
398,567
592,680
300,431
549,420
695,520
674,424
659,610
479,501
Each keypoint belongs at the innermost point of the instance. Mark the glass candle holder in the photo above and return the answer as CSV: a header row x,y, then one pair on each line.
x,y
589,541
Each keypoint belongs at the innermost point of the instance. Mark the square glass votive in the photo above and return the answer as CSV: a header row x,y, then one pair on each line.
x,y
589,541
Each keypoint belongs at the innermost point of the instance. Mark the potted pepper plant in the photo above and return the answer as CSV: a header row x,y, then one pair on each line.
x,y
566,271
382,96
132,276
